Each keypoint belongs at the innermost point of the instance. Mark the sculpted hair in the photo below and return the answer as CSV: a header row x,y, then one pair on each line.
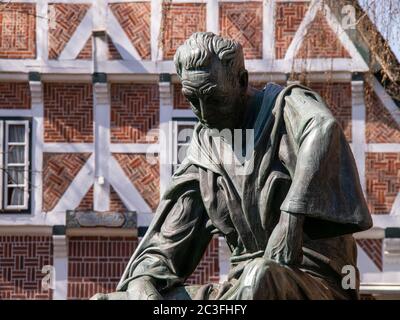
x,y
199,50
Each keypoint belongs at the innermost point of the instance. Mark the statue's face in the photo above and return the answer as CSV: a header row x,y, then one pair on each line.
x,y
216,100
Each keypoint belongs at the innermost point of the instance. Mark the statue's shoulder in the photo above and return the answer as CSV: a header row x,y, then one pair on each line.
x,y
306,104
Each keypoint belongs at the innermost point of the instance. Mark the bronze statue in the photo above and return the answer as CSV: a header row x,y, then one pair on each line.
x,y
287,217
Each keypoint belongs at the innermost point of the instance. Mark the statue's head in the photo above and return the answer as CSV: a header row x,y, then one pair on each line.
x,y
214,79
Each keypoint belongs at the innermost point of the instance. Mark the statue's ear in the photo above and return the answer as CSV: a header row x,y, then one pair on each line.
x,y
243,79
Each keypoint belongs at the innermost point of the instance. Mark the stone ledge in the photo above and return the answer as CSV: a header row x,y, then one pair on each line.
x,y
80,223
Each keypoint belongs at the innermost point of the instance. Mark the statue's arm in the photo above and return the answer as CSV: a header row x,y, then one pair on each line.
x,y
301,109
173,248
286,241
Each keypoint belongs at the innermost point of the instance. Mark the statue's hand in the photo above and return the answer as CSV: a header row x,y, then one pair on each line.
x,y
286,241
138,289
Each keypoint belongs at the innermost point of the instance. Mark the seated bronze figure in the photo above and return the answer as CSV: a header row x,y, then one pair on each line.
x,y
288,216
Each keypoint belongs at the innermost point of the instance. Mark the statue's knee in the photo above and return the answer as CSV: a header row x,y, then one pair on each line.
x,y
256,282
264,267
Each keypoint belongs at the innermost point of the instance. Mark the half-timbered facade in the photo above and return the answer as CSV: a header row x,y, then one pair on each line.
x,y
90,115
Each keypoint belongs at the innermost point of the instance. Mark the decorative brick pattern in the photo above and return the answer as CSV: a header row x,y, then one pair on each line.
x,y
17,30
86,52
180,102
116,204
380,125
144,176
134,113
208,269
86,203
321,41
59,169
243,22
66,21
373,249
134,18
21,261
15,95
68,112
383,180
113,53
288,18
95,264
338,98
180,20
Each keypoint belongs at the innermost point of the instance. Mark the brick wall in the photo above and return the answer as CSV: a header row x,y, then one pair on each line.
x,y
243,22
116,203
321,41
87,51
134,112
180,20
380,125
15,95
145,176
208,269
17,30
66,19
59,169
68,112
21,261
96,264
86,203
288,18
134,18
180,102
382,172
338,98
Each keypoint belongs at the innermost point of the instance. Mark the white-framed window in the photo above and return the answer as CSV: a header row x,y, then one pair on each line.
x,y
182,134
14,165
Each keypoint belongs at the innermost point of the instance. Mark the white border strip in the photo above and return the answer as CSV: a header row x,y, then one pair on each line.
x,y
383,147
358,129
36,89
134,148
212,16
268,29
155,29
102,112
68,147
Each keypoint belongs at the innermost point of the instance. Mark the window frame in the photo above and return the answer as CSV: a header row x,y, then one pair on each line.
x,y
5,122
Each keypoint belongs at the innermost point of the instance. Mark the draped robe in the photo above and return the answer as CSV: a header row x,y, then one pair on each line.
x,y
301,164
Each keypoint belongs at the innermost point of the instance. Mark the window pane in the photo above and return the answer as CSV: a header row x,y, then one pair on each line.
x,y
15,175
16,154
16,133
15,197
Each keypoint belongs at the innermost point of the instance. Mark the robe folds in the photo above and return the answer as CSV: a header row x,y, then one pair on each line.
x,y
302,164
